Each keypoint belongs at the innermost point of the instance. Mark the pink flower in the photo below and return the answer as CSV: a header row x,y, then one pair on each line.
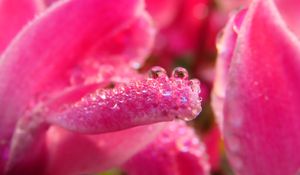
x,y
256,94
69,79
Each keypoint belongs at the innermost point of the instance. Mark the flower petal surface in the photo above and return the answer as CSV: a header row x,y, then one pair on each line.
x,y
43,57
14,14
261,124
176,150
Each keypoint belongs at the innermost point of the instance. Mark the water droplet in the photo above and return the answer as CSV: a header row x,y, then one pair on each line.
x,y
157,72
183,99
76,76
102,96
100,103
186,118
183,146
195,85
166,93
116,106
181,73
135,64
93,98
196,111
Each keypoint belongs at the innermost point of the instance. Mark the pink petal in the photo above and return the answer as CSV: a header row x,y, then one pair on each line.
x,y
14,14
226,44
39,58
28,152
131,46
176,150
261,121
141,102
179,78
71,153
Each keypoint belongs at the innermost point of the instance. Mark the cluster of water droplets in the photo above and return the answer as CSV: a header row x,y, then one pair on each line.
x,y
156,98
179,80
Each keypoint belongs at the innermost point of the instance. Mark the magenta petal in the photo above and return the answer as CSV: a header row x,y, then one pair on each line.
x,y
142,102
38,49
225,45
14,14
176,150
71,153
46,48
131,46
262,101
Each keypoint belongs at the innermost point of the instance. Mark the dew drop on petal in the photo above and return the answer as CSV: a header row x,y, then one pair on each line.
x,y
102,96
196,111
115,107
180,72
195,85
186,117
76,76
157,72
166,93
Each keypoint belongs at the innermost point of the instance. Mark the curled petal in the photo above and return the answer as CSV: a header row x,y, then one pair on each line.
x,y
226,44
14,14
130,47
142,102
176,150
43,58
261,124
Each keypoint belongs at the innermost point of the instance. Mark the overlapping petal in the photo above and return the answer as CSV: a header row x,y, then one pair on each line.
x,y
225,45
71,153
43,57
176,150
27,54
261,124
